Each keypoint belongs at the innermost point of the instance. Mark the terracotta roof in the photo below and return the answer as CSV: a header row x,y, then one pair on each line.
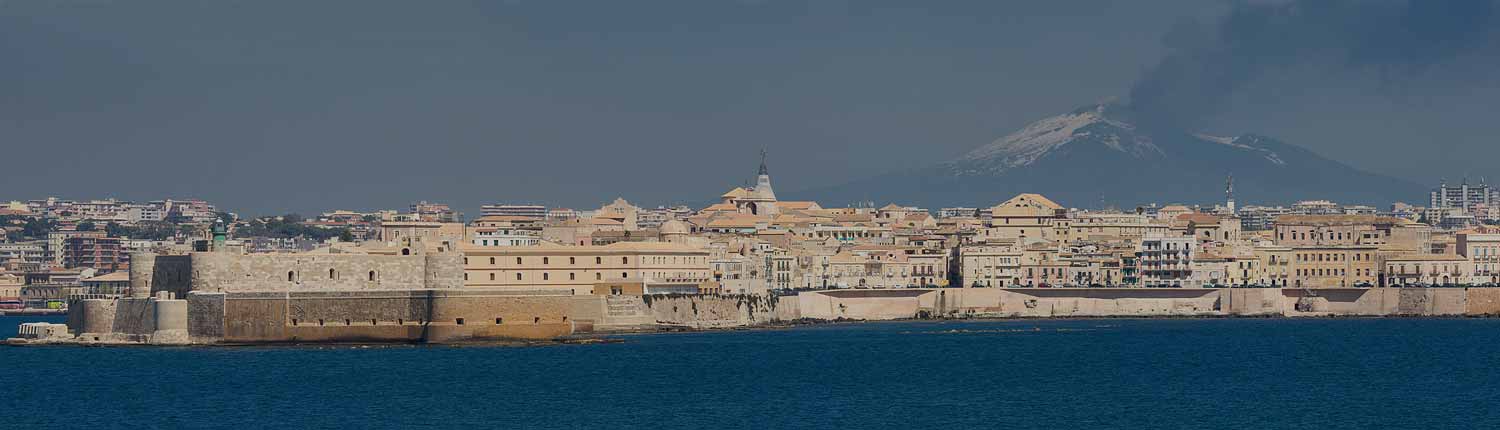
x,y
120,276
735,193
796,205
720,207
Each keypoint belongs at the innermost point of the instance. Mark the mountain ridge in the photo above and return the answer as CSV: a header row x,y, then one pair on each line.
x,y
1098,155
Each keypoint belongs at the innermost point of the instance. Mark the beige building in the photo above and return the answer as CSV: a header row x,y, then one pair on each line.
x,y
989,265
1333,250
1426,269
1481,247
578,268
1028,216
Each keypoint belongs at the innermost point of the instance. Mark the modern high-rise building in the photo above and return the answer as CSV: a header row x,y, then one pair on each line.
x,y
529,211
1463,196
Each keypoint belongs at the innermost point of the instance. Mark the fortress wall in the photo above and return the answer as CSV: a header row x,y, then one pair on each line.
x,y
322,272
134,316
395,316
96,316
712,310
1432,301
787,309
1482,301
205,316
170,273
1251,301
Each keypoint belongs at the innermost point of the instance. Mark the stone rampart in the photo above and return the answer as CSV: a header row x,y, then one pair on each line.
x,y
395,316
712,310
227,272
1483,301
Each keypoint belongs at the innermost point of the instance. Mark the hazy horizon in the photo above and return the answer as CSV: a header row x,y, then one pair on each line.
x,y
273,107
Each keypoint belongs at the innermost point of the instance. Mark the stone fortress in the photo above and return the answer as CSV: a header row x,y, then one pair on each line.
x,y
410,293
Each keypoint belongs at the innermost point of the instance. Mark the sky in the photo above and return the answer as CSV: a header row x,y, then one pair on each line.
x,y
268,107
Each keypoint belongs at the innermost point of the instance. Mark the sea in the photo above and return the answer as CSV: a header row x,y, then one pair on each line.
x,y
1010,374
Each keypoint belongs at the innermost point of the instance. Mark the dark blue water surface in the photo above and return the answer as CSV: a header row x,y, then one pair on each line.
x,y
1200,373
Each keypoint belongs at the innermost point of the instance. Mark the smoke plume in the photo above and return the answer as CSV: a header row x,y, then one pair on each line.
x,y
1396,40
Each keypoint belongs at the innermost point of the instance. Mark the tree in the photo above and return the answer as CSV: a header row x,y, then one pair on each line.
x,y
113,229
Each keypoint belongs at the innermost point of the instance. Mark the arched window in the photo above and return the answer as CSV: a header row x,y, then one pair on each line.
x,y
571,260
518,276
598,260
546,260
492,261
372,275
624,260
518,260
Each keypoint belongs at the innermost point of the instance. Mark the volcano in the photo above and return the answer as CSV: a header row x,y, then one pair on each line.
x,y
1098,156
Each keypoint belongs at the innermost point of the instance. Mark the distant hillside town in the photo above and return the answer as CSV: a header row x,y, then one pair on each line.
x,y
751,242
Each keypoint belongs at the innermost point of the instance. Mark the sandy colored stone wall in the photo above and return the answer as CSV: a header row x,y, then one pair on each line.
x,y
91,316
395,315
787,309
205,316
134,316
712,310
1483,301
320,272
171,273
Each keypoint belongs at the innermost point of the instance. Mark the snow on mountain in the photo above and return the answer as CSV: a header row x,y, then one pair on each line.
x,y
1040,138
1098,153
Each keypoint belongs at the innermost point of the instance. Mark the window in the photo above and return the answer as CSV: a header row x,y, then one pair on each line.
x,y
405,251
291,276
460,321
518,276
598,276
571,260
624,260
372,275
518,260
492,261
546,276
572,276
546,260
498,320
624,275
492,276
333,274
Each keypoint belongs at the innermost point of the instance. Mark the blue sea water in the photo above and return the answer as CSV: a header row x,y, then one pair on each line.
x,y
1020,374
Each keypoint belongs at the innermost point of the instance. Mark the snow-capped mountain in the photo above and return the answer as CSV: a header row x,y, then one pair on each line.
x,y
1098,155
